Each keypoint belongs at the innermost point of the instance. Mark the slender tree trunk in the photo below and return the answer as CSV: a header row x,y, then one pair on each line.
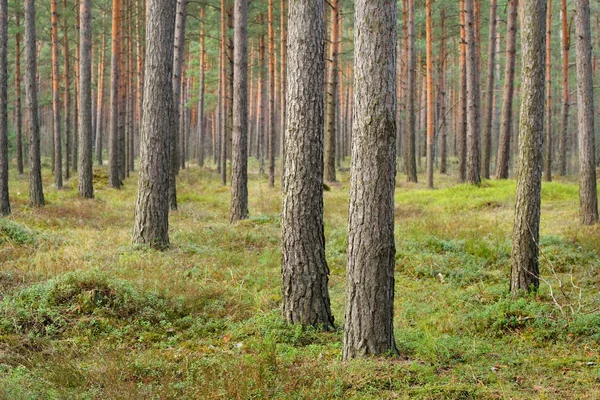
x,y
67,94
76,94
151,226
548,112
588,193
100,107
271,123
36,193
473,110
462,127
58,177
507,102
410,136
487,128
332,83
4,198
262,92
201,122
368,327
564,130
130,97
19,112
525,268
442,98
222,95
123,91
305,272
113,149
283,55
85,186
430,93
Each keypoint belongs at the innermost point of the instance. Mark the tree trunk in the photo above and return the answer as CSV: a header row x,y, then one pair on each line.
x,y
36,193
85,186
410,136
201,122
4,199
58,178
271,122
262,97
525,269
113,148
507,102
222,96
487,128
462,127
368,327
430,93
548,115
442,98
473,110
283,57
588,193
100,106
76,94
239,159
151,226
19,112
564,130
305,272
332,83
67,94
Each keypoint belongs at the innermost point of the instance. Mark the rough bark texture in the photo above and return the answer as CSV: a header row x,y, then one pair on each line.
x,y
4,200
58,178
36,194
509,79
410,161
151,226
487,128
473,95
305,274
113,147
564,129
548,115
525,269
18,111
430,93
85,185
368,326
588,193
332,84
239,158
462,106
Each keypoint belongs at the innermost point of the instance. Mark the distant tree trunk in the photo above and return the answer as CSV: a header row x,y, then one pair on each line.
x,y
548,115
139,24
271,122
67,94
410,136
222,96
114,180
151,226
487,128
100,107
76,94
239,158
462,127
588,193
525,269
85,186
19,112
473,109
430,93
262,97
283,56
123,91
332,83
201,122
58,178
564,130
442,96
36,193
4,199
305,272
130,97
368,327
509,79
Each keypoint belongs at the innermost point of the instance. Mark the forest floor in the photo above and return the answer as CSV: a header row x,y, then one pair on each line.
x,y
84,315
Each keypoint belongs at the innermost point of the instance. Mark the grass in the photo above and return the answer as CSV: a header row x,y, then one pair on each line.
x,y
84,315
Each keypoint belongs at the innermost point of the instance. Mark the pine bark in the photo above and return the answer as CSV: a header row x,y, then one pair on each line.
x,y
507,102
430,93
442,96
305,272
332,84
4,198
564,129
18,111
58,170
473,96
368,326
588,193
85,185
525,264
410,136
201,118
283,56
36,193
462,107
271,94
487,128
239,159
548,113
100,102
114,180
151,226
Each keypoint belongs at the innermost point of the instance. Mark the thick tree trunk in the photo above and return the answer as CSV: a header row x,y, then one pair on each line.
x,y
410,161
151,226
85,185
368,326
58,177
564,129
430,93
462,83
305,272
239,158
114,180
525,269
487,125
18,111
4,199
507,102
271,94
473,109
548,115
332,83
36,193
588,193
